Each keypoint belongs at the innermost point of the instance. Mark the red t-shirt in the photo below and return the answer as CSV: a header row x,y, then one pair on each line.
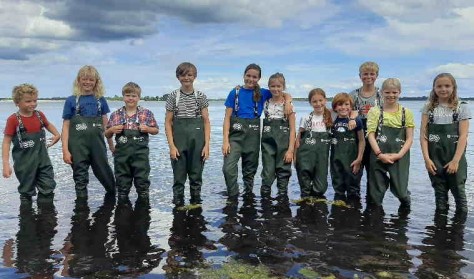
x,y
32,123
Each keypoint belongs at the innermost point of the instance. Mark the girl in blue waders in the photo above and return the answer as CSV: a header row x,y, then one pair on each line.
x,y
241,130
444,130
85,119
390,134
312,144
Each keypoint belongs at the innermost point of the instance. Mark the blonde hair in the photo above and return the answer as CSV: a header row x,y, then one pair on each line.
x,y
20,90
327,113
131,87
369,66
278,76
391,82
257,95
453,99
88,71
340,99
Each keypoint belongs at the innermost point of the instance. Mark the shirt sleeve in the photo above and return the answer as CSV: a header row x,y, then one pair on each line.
x,y
204,102
424,109
359,124
104,106
373,119
464,112
69,108
151,121
10,127
230,101
171,102
111,118
45,120
266,94
302,122
410,120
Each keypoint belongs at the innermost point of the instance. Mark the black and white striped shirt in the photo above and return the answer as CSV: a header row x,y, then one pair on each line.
x,y
188,105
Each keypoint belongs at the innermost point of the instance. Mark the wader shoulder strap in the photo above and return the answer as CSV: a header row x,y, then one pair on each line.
x,y
236,102
403,118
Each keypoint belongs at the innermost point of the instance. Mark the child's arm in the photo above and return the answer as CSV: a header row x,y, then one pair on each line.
x,y
360,152
67,158
207,133
56,136
147,129
226,130
7,169
174,153
430,166
352,124
110,141
452,166
291,145
117,129
385,158
288,106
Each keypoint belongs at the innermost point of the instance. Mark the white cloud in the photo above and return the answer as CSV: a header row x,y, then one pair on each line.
x,y
459,71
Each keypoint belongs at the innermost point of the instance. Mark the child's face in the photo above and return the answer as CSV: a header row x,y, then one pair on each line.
x,y
391,95
187,79
443,88
318,102
343,109
251,78
28,104
131,99
368,77
276,87
87,84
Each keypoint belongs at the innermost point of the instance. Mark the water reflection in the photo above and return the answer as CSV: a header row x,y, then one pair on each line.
x,y
442,243
87,249
187,241
136,255
33,241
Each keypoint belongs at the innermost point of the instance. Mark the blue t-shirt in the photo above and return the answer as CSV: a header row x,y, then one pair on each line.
x,y
246,103
341,125
87,106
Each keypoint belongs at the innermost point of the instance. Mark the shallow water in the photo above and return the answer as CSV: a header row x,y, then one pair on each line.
x,y
103,239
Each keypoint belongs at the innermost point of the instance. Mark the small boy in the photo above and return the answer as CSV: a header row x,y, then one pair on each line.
x,y
364,98
131,125
31,161
188,132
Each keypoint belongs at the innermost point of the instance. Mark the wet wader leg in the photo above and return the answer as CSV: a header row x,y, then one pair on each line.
x,y
80,174
230,168
141,172
195,168
123,172
100,166
378,181
305,164
457,184
441,191
320,181
45,181
249,165
180,176
268,165
365,165
26,177
399,172
283,170
337,178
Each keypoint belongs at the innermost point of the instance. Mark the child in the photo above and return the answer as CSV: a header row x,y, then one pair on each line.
x,y
312,144
364,98
278,139
241,130
347,150
131,125
188,131
85,116
444,130
25,128
390,134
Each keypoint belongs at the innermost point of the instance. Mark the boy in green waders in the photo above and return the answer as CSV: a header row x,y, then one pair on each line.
x,y
188,132
25,129
131,125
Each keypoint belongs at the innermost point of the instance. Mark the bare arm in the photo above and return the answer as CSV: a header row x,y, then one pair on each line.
x,y
56,136
207,133
226,131
453,165
67,158
291,145
174,153
110,141
407,145
430,166
7,170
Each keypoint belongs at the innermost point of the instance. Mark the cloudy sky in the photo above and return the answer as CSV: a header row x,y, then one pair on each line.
x,y
314,43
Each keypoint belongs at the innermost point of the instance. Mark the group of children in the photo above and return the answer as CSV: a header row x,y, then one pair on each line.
x,y
367,128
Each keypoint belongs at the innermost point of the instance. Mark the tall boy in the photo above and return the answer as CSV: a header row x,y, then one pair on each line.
x,y
131,125
31,161
188,132
364,98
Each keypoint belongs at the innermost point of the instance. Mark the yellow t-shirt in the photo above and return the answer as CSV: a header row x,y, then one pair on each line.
x,y
390,119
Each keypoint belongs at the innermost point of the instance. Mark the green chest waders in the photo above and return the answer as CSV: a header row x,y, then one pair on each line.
x,y
131,163
87,147
32,164
275,140
381,175
312,163
244,138
442,143
344,150
188,135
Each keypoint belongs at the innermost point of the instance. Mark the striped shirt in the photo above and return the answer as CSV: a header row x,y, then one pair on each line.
x,y
189,105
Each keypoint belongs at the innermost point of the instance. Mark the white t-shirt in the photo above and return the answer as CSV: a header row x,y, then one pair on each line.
x,y
317,123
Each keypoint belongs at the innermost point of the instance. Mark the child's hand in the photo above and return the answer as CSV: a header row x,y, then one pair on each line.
x,y
225,148
117,129
67,157
53,140
386,158
452,167
7,170
143,128
352,124
237,87
356,166
205,152
288,156
430,167
174,153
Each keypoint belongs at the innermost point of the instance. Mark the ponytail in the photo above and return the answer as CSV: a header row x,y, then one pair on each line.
x,y
257,94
